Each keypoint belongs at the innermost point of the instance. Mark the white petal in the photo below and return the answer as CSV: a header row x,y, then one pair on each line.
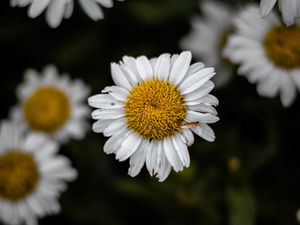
x,y
144,68
194,68
162,67
107,114
153,62
55,13
50,76
104,101
118,93
40,144
173,60
91,9
37,7
151,157
100,125
165,168
44,151
266,6
180,68
203,108
131,74
205,131
158,163
196,80
172,155
114,127
188,137
115,141
200,92
193,116
270,86
181,149
138,159
288,90
129,146
119,77
69,9
131,63
288,9
210,99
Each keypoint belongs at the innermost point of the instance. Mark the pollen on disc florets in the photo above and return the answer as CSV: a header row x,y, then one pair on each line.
x,y
18,175
155,109
47,109
282,46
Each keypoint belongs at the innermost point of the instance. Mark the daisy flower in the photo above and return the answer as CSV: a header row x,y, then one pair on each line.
x,y
268,53
56,10
32,176
52,104
208,38
153,109
290,9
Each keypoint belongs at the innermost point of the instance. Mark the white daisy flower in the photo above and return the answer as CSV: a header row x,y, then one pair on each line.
x,y
290,9
268,53
208,37
152,111
52,104
32,176
56,10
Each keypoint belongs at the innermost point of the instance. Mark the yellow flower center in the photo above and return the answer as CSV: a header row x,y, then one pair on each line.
x,y
47,109
282,46
18,175
155,109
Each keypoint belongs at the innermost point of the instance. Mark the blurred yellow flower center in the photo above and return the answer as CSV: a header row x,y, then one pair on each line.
x,y
47,109
18,175
155,109
282,46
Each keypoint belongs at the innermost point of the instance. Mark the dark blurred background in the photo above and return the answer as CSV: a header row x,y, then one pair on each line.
x,y
249,175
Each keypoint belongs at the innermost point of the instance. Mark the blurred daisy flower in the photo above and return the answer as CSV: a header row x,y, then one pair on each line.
x,y
152,111
208,38
56,10
52,104
268,53
290,9
32,176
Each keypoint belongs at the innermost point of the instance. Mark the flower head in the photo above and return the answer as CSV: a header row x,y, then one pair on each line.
x,y
152,111
32,175
268,54
52,105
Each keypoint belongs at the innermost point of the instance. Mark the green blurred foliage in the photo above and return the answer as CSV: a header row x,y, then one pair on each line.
x,y
248,176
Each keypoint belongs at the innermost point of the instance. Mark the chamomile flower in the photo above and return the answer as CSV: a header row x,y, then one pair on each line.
x,y
208,37
56,10
268,53
153,109
52,104
290,9
32,176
